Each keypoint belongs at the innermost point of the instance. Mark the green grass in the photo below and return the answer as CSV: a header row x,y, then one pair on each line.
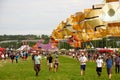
x,y
69,69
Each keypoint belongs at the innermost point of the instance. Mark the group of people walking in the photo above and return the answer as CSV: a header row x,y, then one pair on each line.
x,y
110,61
53,63
50,62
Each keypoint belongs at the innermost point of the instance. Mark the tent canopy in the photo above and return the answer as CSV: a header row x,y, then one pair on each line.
x,y
2,49
105,50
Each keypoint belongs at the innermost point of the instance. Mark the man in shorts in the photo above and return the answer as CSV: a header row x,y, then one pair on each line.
x,y
99,63
83,61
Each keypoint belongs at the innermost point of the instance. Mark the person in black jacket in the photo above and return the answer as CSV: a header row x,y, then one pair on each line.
x,y
50,61
12,56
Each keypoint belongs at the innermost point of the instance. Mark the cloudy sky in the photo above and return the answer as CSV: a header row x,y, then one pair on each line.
x,y
37,16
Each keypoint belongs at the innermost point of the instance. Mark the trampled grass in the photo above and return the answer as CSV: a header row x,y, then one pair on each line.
x,y
69,69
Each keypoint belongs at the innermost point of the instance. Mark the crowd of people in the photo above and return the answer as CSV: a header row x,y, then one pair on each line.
x,y
13,55
101,59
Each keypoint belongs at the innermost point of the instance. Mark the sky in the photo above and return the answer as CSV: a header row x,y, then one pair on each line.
x,y
22,17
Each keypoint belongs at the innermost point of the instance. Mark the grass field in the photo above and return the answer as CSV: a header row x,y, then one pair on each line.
x,y
68,70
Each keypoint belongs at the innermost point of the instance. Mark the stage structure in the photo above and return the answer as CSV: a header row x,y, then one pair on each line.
x,y
99,21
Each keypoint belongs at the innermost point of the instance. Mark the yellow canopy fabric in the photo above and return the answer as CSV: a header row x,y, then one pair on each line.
x,y
95,22
79,26
61,25
66,32
79,16
93,13
92,24
114,28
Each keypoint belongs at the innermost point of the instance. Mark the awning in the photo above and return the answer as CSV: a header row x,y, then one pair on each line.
x,y
105,50
2,49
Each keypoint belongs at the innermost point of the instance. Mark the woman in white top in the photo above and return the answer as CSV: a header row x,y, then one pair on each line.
x,y
99,63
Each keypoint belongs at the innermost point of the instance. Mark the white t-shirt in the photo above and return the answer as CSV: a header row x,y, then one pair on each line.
x,y
99,62
83,60
37,59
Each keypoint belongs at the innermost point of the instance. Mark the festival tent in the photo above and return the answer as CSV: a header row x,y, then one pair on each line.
x,y
46,47
92,24
24,48
2,49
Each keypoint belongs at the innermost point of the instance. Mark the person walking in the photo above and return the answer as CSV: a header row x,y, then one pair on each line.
x,y
12,56
117,64
109,64
83,61
50,61
56,63
99,63
37,63
16,57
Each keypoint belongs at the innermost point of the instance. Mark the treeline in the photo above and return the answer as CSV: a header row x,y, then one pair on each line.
x,y
108,42
113,42
18,37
